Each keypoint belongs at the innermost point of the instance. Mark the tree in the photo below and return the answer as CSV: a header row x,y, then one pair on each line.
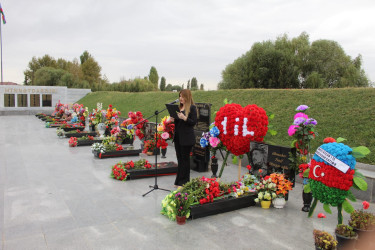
x,y
201,87
34,65
294,63
91,71
182,86
194,84
176,87
48,76
188,84
154,77
162,83
85,55
169,87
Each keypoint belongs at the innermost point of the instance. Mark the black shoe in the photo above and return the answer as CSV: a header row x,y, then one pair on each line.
x,y
306,208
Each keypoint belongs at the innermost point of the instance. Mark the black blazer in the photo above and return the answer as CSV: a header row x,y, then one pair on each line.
x,y
185,129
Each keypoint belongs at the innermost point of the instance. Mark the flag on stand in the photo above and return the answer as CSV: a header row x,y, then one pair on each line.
x,y
2,14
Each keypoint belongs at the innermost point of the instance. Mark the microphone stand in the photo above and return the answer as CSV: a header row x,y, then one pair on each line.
x,y
155,186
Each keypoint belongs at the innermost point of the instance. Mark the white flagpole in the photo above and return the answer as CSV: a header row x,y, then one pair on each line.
x,y
1,45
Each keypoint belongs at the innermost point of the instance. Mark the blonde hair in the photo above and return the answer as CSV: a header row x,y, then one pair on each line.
x,y
186,94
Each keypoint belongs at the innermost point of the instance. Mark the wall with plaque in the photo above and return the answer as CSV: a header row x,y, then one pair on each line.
x,y
201,156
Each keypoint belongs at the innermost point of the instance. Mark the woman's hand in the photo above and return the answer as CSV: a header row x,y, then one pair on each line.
x,y
181,116
171,119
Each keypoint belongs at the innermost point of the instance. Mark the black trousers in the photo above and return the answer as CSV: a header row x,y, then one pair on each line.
x,y
183,160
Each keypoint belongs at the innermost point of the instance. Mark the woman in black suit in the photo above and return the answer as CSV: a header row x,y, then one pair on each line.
x,y
184,137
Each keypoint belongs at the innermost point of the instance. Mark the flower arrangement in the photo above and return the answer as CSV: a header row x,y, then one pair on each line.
x,y
86,137
97,114
330,181
167,128
303,131
133,119
149,146
283,185
249,180
345,230
210,139
183,202
239,125
165,131
201,190
324,240
73,141
362,220
100,147
119,170
60,132
266,189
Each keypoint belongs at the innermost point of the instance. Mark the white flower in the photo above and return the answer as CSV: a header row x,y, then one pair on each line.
x,y
260,196
273,195
267,196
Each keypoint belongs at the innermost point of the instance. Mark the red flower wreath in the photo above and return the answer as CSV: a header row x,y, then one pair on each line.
x,y
238,126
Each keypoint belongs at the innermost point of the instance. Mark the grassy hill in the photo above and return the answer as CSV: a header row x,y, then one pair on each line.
x,y
347,113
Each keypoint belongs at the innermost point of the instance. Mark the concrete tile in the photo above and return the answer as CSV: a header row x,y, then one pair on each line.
x,y
21,230
36,242
71,239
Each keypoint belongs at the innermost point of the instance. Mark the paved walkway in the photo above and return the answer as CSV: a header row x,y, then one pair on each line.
x,y
56,197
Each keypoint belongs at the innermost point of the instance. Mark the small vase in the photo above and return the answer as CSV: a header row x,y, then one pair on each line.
x,y
214,167
265,204
163,152
87,125
347,242
181,220
279,202
101,129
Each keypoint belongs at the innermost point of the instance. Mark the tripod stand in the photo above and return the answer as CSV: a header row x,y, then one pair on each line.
x,y
155,186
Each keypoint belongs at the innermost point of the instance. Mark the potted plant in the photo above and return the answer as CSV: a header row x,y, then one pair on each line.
x,y
324,240
266,190
182,208
345,236
283,186
362,221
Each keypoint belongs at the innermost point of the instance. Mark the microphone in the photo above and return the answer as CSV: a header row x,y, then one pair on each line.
x,y
174,101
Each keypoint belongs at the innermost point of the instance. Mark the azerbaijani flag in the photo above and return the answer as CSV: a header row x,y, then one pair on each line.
x,y
2,14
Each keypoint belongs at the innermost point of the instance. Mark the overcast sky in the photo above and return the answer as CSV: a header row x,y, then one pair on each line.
x,y
181,38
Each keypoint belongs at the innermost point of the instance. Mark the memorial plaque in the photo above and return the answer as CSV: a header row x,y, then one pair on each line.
x,y
270,159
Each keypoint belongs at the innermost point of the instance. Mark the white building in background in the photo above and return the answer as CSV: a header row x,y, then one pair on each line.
x,y
27,100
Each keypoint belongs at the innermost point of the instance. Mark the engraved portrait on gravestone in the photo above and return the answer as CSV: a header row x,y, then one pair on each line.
x,y
258,158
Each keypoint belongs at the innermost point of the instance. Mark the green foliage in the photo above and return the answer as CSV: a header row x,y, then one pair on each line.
x,y
327,208
327,106
154,77
360,183
360,152
162,83
194,84
294,63
347,207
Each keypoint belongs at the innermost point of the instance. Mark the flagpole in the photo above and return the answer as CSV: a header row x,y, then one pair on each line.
x,y
1,45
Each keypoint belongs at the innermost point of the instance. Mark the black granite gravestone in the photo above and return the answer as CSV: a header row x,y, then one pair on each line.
x,y
271,159
201,156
